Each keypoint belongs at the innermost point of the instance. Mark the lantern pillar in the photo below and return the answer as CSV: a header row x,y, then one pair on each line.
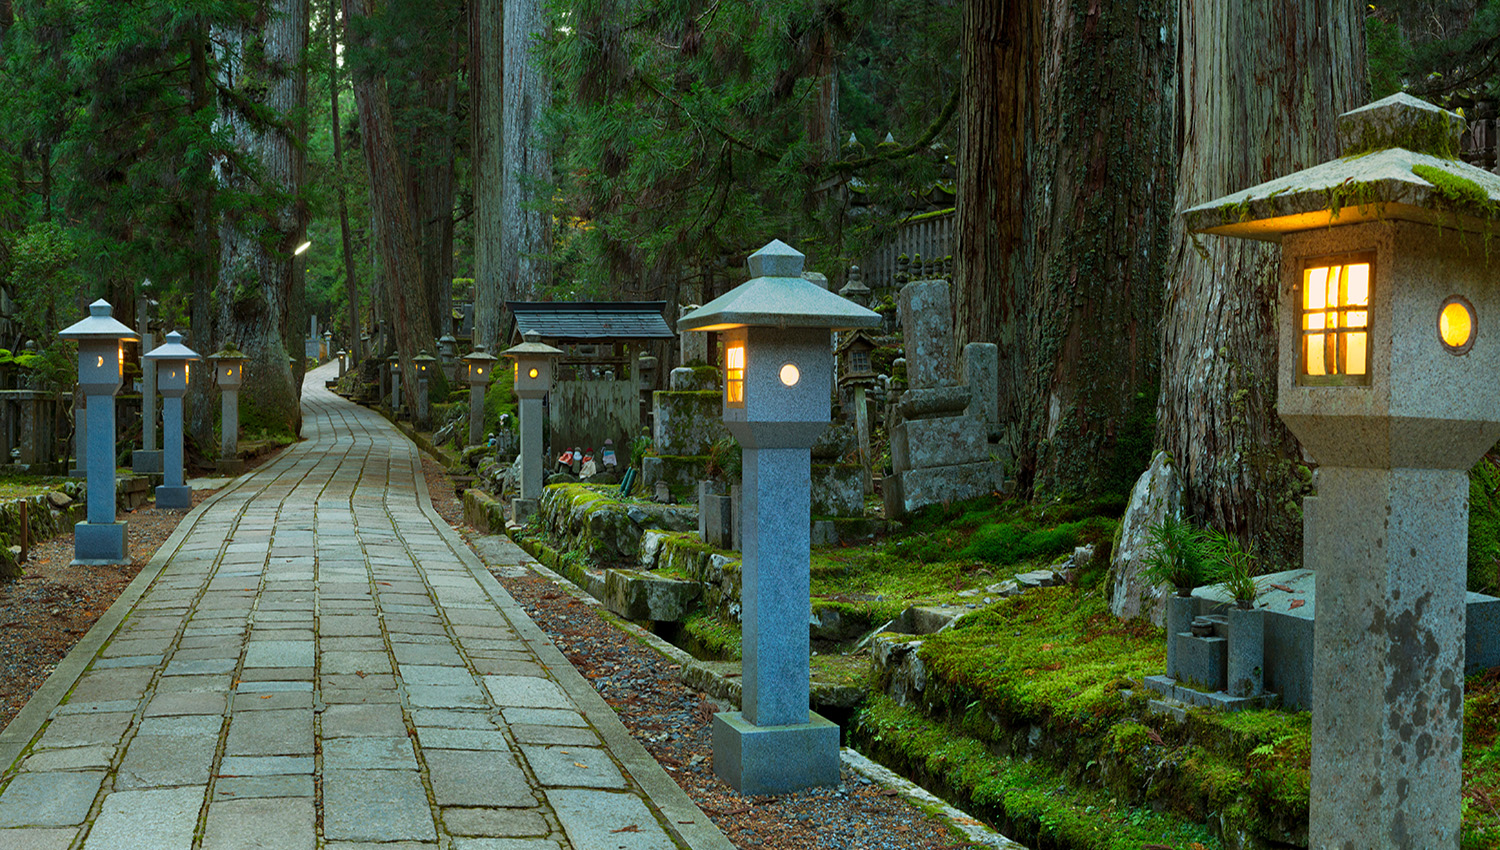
x,y
776,329
100,539
425,364
1389,332
147,460
173,358
481,367
533,365
229,374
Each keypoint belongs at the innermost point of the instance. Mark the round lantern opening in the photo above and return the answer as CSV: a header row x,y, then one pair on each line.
x,y
1456,325
532,372
790,375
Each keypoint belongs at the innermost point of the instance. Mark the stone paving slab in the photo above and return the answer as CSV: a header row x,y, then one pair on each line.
x,y
314,659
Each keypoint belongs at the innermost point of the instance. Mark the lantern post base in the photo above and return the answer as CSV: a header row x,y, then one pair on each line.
x,y
775,759
522,510
146,462
99,544
174,498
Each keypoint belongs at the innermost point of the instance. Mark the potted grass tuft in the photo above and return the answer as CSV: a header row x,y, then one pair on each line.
x,y
1175,558
1233,568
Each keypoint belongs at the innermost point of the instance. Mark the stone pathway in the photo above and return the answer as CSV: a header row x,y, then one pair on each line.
x,y
316,660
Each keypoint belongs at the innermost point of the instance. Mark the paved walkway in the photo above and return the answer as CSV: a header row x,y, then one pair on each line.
x,y
315,660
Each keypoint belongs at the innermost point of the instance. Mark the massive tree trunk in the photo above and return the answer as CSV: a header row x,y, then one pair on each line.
x,y
1254,106
993,251
431,189
202,406
525,225
351,281
262,88
485,78
1105,209
393,233
1062,226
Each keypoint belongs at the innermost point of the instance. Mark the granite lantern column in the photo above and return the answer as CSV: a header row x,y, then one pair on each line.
x,y
1390,343
229,374
100,540
776,329
448,353
343,361
425,365
147,459
171,359
533,379
395,384
481,367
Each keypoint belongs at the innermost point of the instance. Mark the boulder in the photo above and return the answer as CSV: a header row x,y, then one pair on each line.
x,y
1157,494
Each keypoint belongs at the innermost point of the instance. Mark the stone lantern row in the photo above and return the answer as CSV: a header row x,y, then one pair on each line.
x,y
100,539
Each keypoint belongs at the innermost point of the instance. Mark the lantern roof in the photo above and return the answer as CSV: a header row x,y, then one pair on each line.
x,y
1398,162
424,357
480,354
778,296
229,352
100,324
172,349
532,347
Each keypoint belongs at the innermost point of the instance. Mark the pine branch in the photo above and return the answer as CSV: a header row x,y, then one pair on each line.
x,y
730,137
846,166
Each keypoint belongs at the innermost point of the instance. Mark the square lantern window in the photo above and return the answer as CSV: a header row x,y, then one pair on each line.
x,y
734,373
1334,320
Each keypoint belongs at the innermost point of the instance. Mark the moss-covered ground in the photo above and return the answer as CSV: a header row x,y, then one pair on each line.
x,y
18,486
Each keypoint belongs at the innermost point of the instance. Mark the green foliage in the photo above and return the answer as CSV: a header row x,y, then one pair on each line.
x,y
1016,542
500,399
1459,191
725,459
1388,54
1484,527
712,637
45,278
1434,52
1231,565
1176,556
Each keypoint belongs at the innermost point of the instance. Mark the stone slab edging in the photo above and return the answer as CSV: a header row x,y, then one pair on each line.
x,y
28,722
699,676
680,815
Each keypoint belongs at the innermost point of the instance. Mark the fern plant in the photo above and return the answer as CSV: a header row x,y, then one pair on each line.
x,y
1232,566
1176,555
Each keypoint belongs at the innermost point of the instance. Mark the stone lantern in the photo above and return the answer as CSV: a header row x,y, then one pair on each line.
x,y
426,366
171,359
343,361
778,367
327,344
229,374
1389,347
101,363
481,367
395,370
533,379
448,353
147,459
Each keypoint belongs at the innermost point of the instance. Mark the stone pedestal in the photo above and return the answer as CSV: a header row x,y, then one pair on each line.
x,y
1387,734
1179,616
758,759
476,414
522,510
1247,638
100,540
533,420
229,433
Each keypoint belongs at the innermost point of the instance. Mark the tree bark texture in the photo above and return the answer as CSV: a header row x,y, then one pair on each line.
x,y
262,88
525,223
1063,213
994,256
485,77
1262,85
1102,241
390,211
351,281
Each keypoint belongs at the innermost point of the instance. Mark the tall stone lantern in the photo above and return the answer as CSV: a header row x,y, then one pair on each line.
x,y
229,374
778,360
1389,350
101,364
426,366
172,359
481,368
533,380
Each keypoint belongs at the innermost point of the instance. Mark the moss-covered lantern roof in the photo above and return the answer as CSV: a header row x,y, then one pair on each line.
x,y
778,296
1398,162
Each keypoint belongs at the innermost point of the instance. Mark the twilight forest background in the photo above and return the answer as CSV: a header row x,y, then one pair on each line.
x,y
638,149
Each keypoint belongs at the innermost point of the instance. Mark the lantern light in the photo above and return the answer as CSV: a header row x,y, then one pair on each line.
x,y
789,374
1456,324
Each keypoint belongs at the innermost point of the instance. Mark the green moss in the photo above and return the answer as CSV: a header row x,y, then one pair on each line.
x,y
1484,528
500,399
1017,542
709,636
1432,135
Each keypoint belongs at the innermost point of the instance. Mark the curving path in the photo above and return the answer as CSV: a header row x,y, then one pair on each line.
x,y
314,659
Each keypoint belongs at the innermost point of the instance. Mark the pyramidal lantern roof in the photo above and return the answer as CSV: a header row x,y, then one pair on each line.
x,y
172,349
1398,161
100,324
778,296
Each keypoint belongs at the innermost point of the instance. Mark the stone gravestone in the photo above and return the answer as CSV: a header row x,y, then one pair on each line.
x,y
940,446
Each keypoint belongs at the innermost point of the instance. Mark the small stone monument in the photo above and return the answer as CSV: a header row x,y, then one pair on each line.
x,y
100,540
940,440
172,358
533,379
1390,344
778,370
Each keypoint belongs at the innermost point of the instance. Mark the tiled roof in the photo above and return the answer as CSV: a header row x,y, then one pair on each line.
x,y
577,320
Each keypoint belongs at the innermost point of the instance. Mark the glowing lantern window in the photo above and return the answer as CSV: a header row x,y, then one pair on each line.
x,y
734,368
1456,325
790,374
1335,322
532,373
